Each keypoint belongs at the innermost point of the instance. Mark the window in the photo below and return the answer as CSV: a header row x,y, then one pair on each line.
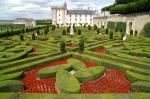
x,y
76,19
75,15
59,10
70,15
59,19
80,19
90,19
80,15
85,15
59,14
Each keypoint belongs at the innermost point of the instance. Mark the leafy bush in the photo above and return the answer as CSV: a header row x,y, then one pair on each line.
x,y
81,45
74,30
131,32
111,24
21,37
98,31
33,36
63,32
62,47
45,31
23,31
95,27
121,26
79,32
106,31
89,27
116,29
111,35
136,32
146,30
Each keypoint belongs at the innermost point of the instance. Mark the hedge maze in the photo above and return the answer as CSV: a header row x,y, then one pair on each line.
x,y
104,66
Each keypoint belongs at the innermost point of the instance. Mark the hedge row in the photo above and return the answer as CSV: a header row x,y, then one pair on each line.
x,y
111,25
2,48
89,74
76,64
141,86
35,64
146,30
13,58
11,86
110,62
74,96
133,77
13,76
27,60
66,83
51,71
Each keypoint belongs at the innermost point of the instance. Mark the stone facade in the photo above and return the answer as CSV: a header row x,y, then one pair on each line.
x,y
134,21
26,21
62,16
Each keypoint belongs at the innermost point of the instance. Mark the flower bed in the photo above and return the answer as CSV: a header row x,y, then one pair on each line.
x,y
101,50
113,81
34,49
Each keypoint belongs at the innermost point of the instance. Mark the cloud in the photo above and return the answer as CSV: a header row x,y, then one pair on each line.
x,y
40,9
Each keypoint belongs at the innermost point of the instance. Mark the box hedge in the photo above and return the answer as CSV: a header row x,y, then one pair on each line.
x,y
66,83
89,74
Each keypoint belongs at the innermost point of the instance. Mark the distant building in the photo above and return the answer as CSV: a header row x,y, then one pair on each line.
x,y
26,21
62,16
6,21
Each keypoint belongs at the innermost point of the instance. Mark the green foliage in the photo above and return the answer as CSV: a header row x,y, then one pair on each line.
x,y
111,35
122,35
132,7
21,37
89,27
37,31
27,30
76,64
74,30
89,74
95,27
121,26
51,71
111,25
81,45
45,31
68,29
44,22
33,36
146,30
79,32
116,29
131,32
23,31
63,32
98,31
11,86
141,86
106,31
136,32
66,83
57,25
62,46
107,8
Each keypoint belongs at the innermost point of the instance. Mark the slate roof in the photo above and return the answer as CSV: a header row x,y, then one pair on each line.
x,y
80,12
23,19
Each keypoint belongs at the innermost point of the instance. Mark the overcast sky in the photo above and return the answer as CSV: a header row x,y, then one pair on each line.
x,y
40,9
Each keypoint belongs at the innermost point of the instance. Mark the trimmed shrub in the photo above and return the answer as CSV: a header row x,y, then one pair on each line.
x,y
51,71
79,32
62,47
21,37
98,31
76,64
95,27
66,83
68,30
146,30
89,27
45,31
131,32
111,25
63,32
11,86
13,76
90,74
33,36
136,32
122,35
133,77
106,31
116,29
81,45
74,30
23,31
141,86
111,35
27,30
37,31
121,26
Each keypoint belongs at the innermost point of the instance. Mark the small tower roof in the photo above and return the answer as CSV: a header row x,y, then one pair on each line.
x,y
65,4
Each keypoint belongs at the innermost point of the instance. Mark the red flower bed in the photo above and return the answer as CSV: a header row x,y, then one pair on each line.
x,y
139,57
44,40
71,46
99,40
113,81
34,49
101,50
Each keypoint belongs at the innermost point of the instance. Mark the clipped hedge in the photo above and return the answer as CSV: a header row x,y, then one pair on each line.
x,y
133,77
121,26
66,83
111,25
11,86
51,71
141,86
146,30
76,64
13,76
89,74
2,48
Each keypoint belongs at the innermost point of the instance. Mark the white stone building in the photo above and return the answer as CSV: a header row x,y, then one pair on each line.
x,y
62,16
26,21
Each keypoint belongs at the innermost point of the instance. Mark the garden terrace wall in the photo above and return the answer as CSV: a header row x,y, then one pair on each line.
x,y
27,60
35,64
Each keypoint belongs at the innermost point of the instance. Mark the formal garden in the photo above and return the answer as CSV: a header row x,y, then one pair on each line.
x,y
48,62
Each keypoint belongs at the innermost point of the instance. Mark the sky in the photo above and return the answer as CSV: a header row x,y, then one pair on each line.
x,y
41,9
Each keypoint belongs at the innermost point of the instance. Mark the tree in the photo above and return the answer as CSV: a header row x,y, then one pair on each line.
x,y
62,46
111,35
106,31
23,31
81,45
33,36
21,37
131,32
98,31
63,32
136,32
37,31
79,32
